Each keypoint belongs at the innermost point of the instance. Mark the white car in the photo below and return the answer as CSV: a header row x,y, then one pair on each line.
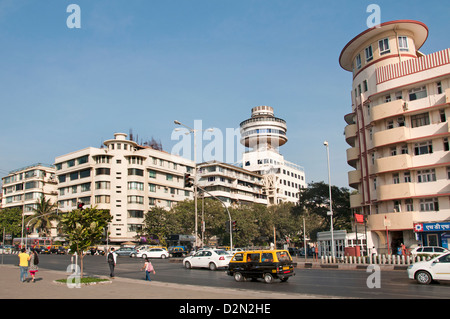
x,y
425,272
429,251
208,258
153,253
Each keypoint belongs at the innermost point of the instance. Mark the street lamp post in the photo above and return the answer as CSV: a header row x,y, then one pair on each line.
x,y
194,132
330,213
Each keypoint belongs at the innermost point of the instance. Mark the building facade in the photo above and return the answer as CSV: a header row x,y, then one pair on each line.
x,y
24,186
263,134
230,184
124,177
398,132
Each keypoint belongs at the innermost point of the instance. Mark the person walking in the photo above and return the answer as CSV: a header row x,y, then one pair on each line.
x,y
34,261
23,264
148,269
112,259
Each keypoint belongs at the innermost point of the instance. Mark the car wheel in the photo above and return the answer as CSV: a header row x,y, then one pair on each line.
x,y
238,276
144,256
212,266
187,265
423,277
133,255
163,256
268,278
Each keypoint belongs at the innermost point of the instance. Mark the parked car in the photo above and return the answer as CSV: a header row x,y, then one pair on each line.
x,y
153,253
177,251
59,250
44,250
265,264
208,258
425,272
126,251
431,251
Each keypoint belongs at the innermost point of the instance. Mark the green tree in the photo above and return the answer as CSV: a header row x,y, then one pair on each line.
x,y
157,222
84,228
44,213
11,222
314,204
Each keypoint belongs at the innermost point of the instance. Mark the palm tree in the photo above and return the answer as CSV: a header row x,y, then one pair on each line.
x,y
42,217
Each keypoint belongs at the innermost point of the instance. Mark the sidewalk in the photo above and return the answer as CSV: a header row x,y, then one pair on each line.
x,y
120,288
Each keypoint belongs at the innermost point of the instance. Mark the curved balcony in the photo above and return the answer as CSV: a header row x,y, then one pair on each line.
x,y
393,163
354,178
395,135
353,156
350,134
355,200
395,191
390,109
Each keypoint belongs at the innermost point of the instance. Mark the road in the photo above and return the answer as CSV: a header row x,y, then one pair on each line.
x,y
323,282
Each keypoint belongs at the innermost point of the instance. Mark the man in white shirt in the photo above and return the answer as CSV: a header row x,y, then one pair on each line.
x,y
111,258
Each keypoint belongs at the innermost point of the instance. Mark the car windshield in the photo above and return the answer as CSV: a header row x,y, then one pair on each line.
x,y
221,252
283,256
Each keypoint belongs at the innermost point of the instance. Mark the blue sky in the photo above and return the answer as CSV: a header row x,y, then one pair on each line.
x,y
141,64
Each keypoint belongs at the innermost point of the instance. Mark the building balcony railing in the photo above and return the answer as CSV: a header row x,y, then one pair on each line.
x,y
393,163
350,134
391,136
395,191
355,200
390,109
354,178
352,156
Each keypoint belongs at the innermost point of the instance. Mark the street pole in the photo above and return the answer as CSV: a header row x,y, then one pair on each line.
x,y
194,132
331,202
229,216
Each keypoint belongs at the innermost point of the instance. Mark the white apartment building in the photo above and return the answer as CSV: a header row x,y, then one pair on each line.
x,y
230,184
264,134
23,187
398,132
124,177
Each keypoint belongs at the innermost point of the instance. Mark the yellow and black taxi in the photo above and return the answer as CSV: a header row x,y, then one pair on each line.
x,y
265,264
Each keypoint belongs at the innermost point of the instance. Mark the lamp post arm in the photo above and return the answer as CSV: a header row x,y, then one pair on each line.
x,y
228,212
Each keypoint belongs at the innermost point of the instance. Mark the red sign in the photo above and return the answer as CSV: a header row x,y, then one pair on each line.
x,y
359,218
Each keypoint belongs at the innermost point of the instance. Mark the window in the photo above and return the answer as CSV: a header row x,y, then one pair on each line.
x,y
136,186
404,149
427,175
86,187
420,120
152,188
152,174
429,205
418,93
135,171
397,206
442,116
169,177
407,177
365,85
369,53
396,178
135,199
102,171
102,185
358,61
384,46
409,205
102,199
446,146
423,148
439,88
403,43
